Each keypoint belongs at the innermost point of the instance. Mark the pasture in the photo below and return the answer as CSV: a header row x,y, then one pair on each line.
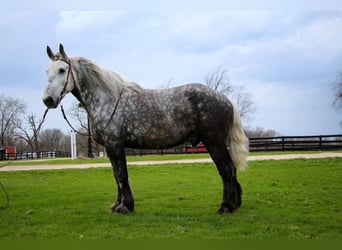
x,y
293,199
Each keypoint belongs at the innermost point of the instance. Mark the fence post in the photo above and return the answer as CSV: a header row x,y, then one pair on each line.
x,y
320,142
73,145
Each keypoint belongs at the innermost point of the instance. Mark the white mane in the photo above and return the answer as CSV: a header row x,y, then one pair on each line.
x,y
97,76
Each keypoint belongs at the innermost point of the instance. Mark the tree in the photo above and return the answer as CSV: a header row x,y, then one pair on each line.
x,y
338,93
10,111
79,115
261,132
218,79
29,133
337,103
167,84
53,140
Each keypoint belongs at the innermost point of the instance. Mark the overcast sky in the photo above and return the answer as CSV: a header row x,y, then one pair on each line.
x,y
286,57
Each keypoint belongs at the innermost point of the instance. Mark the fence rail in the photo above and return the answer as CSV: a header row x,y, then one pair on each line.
x,y
279,143
33,155
294,143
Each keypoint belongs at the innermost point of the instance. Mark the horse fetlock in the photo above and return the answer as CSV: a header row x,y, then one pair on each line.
x,y
232,204
114,206
122,208
228,208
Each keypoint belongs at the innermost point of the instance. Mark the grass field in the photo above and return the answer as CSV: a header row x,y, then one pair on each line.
x,y
299,199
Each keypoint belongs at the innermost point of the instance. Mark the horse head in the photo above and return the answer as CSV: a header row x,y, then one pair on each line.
x,y
61,80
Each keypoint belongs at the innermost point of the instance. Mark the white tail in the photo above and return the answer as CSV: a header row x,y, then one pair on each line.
x,y
237,141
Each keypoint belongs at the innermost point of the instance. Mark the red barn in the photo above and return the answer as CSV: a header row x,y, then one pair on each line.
x,y
7,152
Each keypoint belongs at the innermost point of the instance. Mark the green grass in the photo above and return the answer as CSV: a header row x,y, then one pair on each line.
x,y
298,199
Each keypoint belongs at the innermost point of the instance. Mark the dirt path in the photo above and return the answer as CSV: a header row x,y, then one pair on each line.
x,y
182,161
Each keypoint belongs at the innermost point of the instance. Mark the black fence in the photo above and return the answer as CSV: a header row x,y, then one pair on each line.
x,y
279,143
296,143
33,155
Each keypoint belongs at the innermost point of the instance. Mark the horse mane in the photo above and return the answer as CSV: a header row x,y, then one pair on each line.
x,y
106,79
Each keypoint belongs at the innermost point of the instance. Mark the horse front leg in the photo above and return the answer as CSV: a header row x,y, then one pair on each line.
x,y
125,202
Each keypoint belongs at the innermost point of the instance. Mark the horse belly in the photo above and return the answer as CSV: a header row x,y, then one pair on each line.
x,y
157,136
161,129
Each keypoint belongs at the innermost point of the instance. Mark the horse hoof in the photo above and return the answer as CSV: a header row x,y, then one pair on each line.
x,y
120,209
115,205
227,210
224,210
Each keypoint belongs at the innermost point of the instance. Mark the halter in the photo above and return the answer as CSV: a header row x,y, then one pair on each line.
x,y
67,79
63,92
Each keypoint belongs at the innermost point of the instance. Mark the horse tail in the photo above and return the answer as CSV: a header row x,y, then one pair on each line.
x,y
237,141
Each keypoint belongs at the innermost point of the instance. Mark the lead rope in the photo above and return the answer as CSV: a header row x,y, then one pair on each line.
x,y
86,134
36,132
2,208
70,125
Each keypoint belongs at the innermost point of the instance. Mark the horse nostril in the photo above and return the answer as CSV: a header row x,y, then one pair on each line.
x,y
48,101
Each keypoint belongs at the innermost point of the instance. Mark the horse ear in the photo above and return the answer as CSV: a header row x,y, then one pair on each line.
x,y
50,53
62,52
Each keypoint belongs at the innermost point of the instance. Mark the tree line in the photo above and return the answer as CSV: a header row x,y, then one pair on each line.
x,y
17,128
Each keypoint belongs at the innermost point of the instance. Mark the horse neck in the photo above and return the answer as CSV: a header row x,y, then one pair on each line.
x,y
95,87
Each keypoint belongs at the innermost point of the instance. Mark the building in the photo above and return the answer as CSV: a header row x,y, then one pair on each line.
x,y
7,153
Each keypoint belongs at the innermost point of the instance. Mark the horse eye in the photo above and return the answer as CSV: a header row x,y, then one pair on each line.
x,y
61,71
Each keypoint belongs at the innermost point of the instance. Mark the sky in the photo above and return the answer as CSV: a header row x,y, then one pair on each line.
x,y
287,56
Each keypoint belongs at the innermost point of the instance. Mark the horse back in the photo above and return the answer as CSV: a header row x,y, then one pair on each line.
x,y
169,117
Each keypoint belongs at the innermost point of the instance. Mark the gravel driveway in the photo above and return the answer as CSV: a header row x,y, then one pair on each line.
x,y
99,165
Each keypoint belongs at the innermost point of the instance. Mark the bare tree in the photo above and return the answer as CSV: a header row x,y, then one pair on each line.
x,y
79,114
29,133
10,111
261,132
65,143
218,79
338,93
167,84
337,86
244,103
51,139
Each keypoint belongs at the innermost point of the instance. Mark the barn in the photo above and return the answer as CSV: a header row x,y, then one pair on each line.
x,y
7,152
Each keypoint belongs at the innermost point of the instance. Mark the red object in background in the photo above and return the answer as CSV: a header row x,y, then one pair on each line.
x,y
199,148
9,152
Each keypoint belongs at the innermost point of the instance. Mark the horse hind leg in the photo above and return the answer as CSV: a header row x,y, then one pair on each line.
x,y
232,191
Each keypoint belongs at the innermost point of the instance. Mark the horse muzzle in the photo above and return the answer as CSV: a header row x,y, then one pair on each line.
x,y
50,102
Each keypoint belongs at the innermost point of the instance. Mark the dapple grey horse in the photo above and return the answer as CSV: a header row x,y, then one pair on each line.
x,y
122,114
